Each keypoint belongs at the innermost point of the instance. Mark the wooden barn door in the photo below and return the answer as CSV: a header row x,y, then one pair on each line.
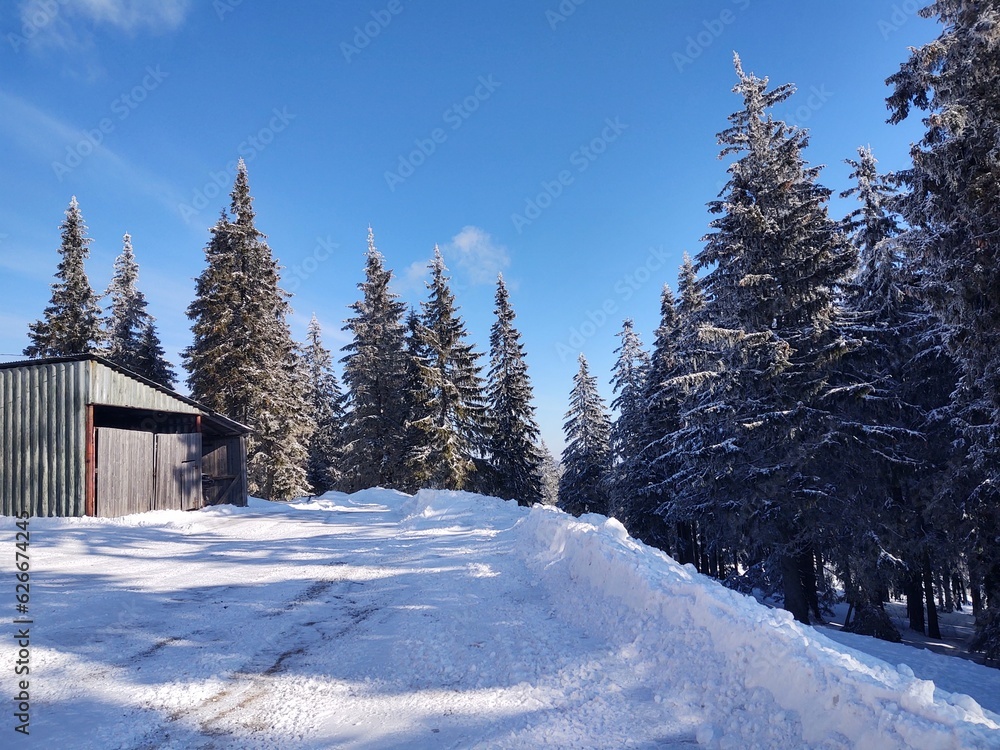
x,y
178,472
124,472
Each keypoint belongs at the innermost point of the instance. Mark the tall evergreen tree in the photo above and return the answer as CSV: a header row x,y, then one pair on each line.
x,y
375,429
953,209
515,462
587,456
243,362
875,457
72,321
776,260
150,359
651,468
550,471
454,428
677,356
326,406
417,407
131,338
628,381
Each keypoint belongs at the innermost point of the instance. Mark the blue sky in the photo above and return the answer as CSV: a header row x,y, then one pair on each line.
x,y
570,145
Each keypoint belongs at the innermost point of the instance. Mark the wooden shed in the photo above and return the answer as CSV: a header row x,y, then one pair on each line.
x,y
80,436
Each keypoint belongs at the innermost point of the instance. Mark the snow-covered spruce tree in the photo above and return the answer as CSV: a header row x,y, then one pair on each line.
x,y
953,209
678,355
776,260
417,407
71,323
551,471
130,333
326,407
453,431
288,427
150,360
375,429
650,468
587,456
874,453
628,381
243,362
515,462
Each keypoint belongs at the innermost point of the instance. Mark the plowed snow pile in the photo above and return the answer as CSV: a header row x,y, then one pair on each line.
x,y
445,620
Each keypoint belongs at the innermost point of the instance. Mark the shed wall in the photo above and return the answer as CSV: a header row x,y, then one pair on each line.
x,y
43,434
111,388
43,439
225,461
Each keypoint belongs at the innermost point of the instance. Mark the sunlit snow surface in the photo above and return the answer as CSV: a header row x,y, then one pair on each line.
x,y
446,620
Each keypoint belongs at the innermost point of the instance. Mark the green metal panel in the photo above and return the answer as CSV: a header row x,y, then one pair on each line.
x,y
43,425
42,441
112,388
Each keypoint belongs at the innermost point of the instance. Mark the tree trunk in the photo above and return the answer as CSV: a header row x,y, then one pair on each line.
x,y
807,574
695,547
932,619
821,581
991,587
949,602
977,599
795,595
684,555
914,601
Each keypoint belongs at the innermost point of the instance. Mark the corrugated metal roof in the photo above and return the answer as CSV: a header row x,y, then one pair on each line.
x,y
102,388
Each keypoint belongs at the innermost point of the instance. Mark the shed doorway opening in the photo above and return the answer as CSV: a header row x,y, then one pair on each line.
x,y
146,460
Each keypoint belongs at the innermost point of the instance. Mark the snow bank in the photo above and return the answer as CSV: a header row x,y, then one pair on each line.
x,y
772,681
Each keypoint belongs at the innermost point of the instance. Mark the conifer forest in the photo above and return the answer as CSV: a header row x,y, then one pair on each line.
x,y
815,419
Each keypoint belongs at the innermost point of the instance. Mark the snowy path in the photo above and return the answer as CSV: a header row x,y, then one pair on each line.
x,y
443,621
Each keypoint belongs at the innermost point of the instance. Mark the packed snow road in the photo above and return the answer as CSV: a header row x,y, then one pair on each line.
x,y
446,620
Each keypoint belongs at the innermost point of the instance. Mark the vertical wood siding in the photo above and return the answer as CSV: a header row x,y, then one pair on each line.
x,y
124,472
178,472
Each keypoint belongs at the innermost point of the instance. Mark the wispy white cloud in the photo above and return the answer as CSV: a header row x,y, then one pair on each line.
x,y
47,138
67,26
478,254
413,278
132,15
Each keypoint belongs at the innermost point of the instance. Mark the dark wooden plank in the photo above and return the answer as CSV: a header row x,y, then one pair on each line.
x,y
90,501
124,472
178,472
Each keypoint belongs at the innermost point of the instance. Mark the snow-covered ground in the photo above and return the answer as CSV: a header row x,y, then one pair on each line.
x,y
445,620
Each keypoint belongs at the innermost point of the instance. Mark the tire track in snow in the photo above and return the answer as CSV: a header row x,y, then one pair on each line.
x,y
252,685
